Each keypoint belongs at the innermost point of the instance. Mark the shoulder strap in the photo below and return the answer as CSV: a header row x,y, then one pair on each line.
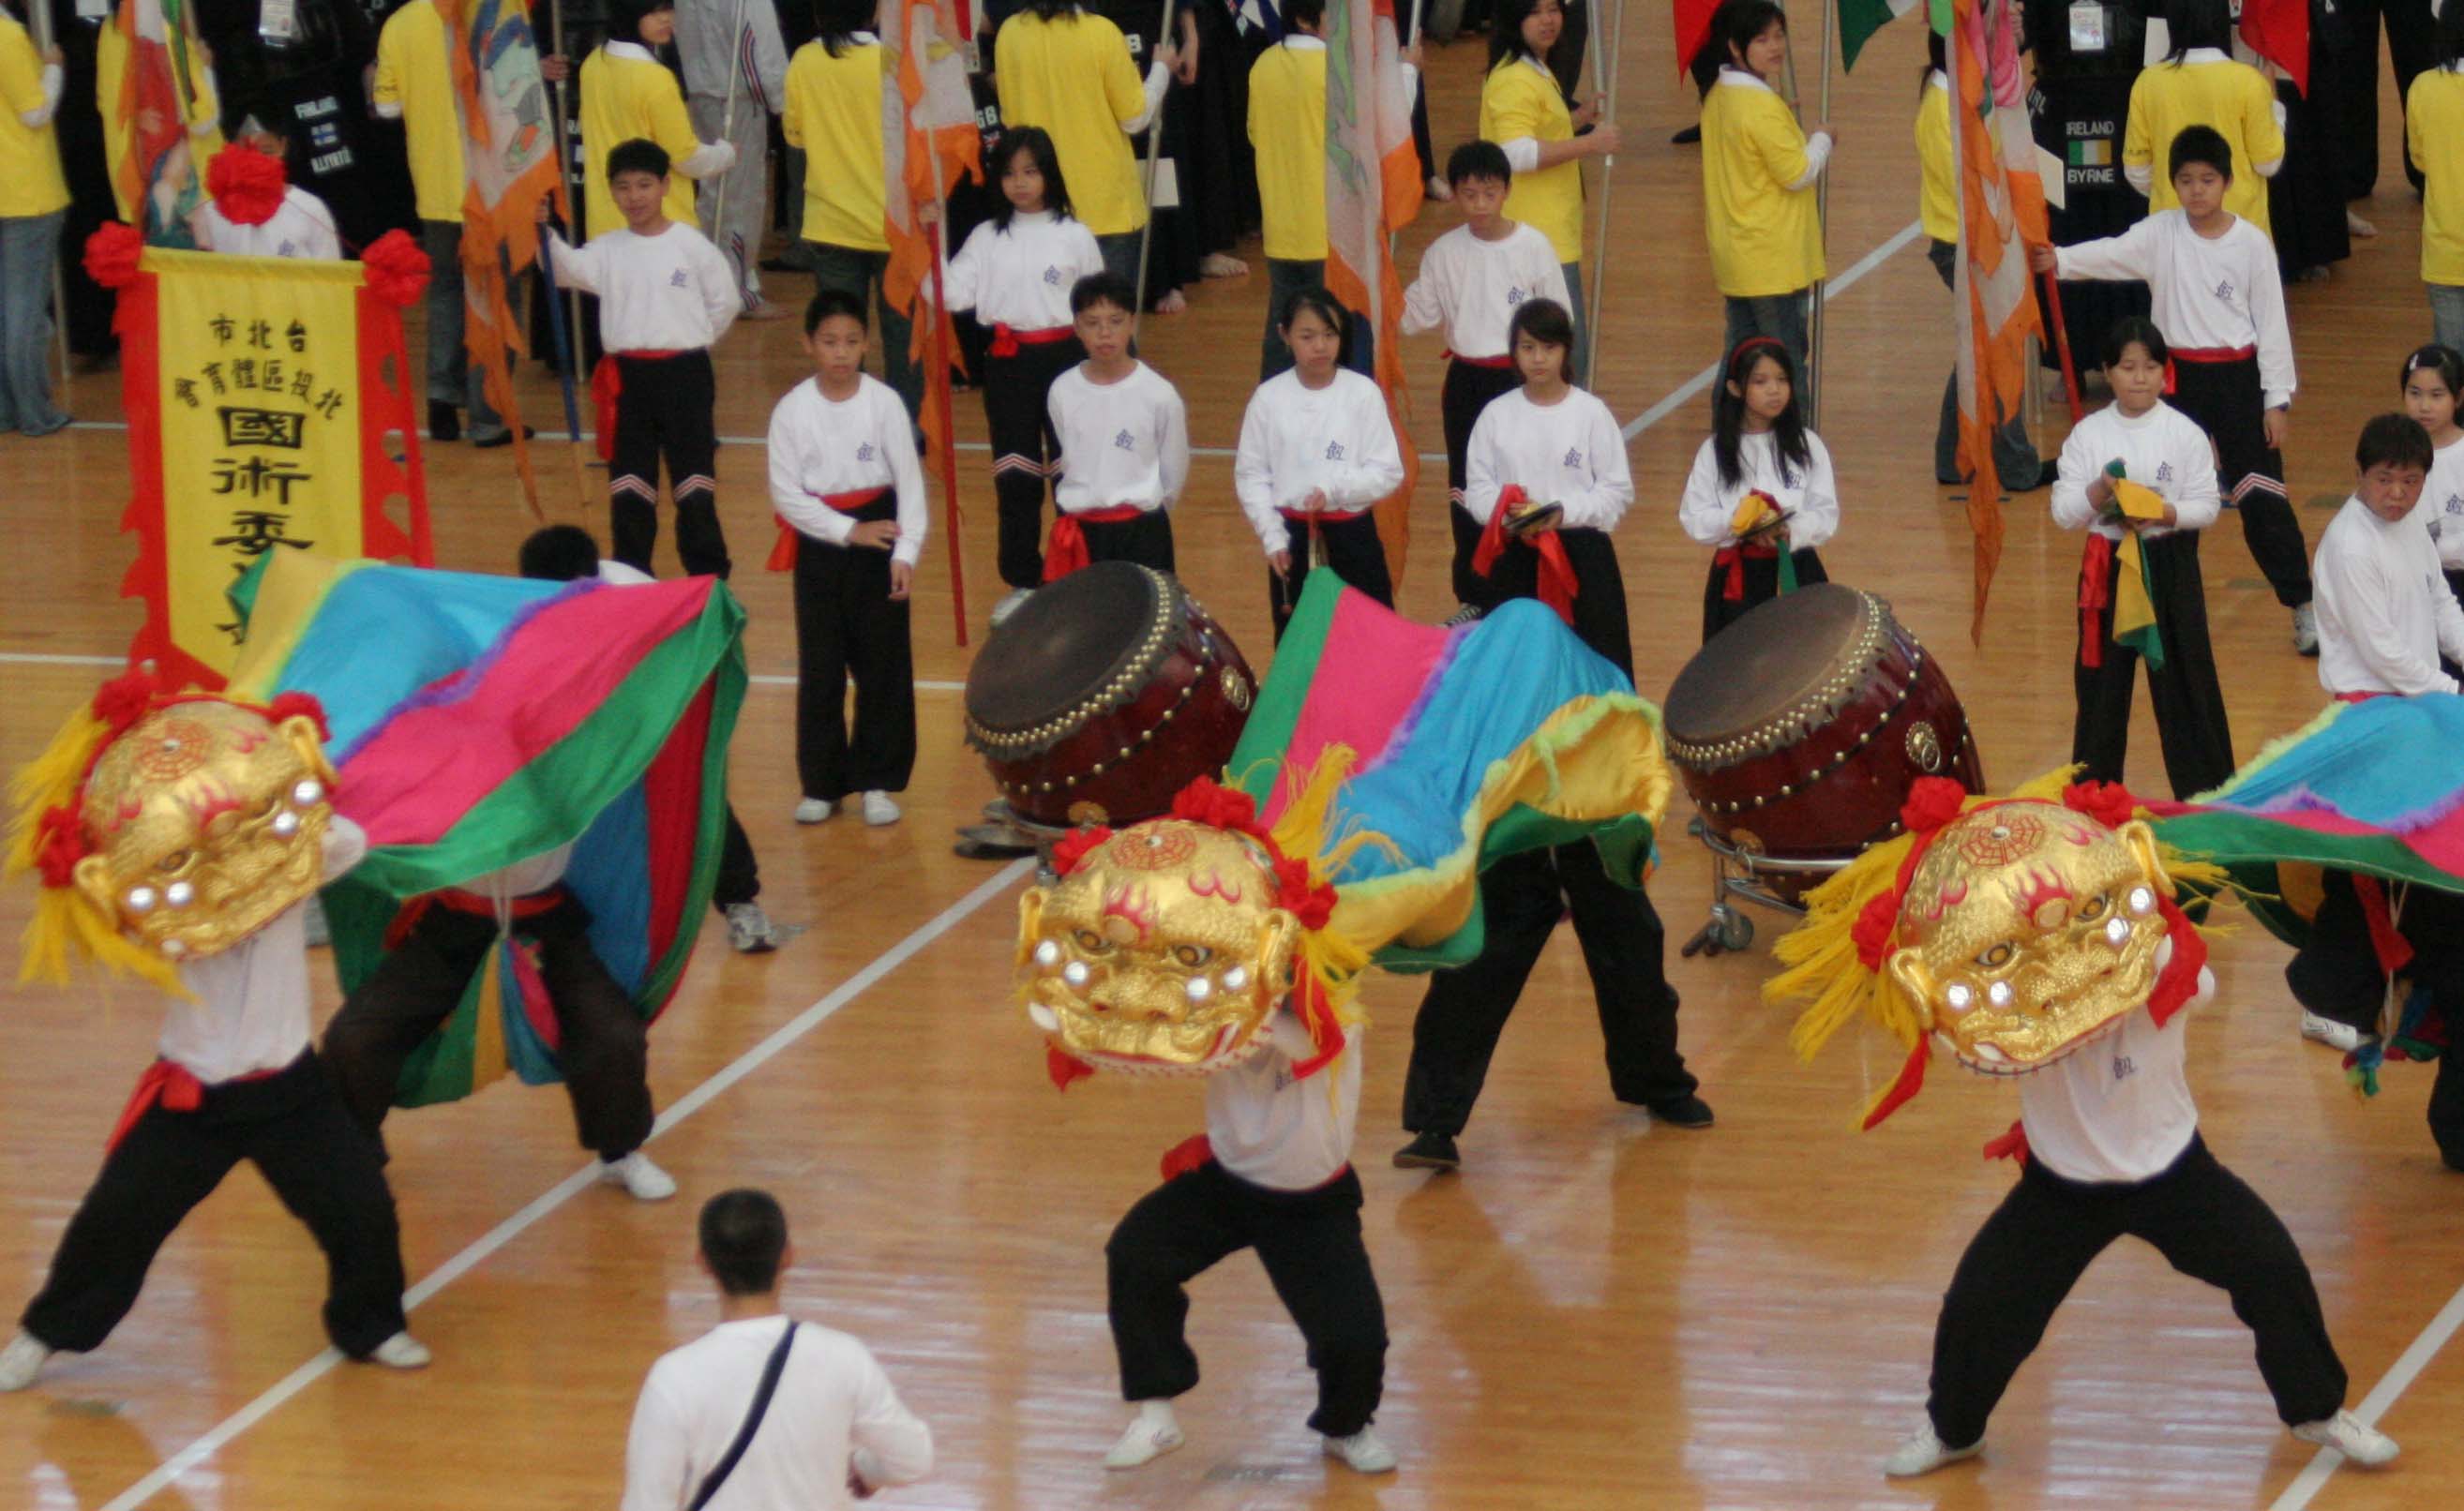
x,y
769,1386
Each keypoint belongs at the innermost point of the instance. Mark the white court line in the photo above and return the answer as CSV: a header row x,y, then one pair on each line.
x,y
30,658
165,1474
2399,1378
1838,285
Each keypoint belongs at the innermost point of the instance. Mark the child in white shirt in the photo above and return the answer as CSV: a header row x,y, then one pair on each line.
x,y
1124,442
300,226
1759,449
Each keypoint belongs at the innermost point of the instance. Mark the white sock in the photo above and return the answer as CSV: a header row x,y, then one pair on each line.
x,y
1157,1412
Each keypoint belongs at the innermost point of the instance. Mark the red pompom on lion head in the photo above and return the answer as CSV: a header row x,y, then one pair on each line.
x,y
1932,802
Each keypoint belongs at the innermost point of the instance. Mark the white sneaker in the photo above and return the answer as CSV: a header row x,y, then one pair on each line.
x,y
1009,602
1923,1453
641,1179
21,1361
2305,630
879,810
1155,1433
2342,1037
2349,1436
2354,225
749,929
402,1351
813,810
1363,1450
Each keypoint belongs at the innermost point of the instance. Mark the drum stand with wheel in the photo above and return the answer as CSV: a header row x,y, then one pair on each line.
x,y
1736,876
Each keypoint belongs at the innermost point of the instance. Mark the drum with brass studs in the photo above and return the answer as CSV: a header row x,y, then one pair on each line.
x,y
1104,695
1799,729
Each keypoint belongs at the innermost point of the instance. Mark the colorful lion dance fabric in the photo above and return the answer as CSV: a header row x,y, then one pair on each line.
x,y
477,721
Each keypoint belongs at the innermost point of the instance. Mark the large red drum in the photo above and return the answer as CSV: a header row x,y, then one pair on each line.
x,y
1105,694
1799,729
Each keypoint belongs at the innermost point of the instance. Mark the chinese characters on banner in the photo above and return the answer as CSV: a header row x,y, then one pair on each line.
x,y
262,421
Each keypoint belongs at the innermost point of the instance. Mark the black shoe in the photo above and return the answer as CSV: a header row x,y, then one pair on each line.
x,y
444,422
1683,1112
1688,137
1428,1152
501,438
781,265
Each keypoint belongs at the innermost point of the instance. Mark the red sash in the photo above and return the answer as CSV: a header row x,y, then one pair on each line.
x,y
1503,362
2204,355
175,1086
1557,585
1008,340
782,555
2094,597
528,906
1735,558
1067,552
607,382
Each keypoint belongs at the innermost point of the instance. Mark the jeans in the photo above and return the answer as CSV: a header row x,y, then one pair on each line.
x,y
2447,314
1781,317
857,273
29,247
453,377
1286,278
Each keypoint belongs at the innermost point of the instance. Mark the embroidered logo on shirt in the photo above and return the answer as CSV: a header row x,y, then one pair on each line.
x,y
1052,275
676,279
1574,456
2455,504
864,452
2164,472
1334,451
2124,1067
2225,291
1515,297
1126,441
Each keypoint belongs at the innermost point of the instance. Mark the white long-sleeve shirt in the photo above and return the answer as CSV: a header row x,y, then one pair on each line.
x,y
2384,611
1472,287
2121,1108
52,83
250,1007
1567,453
820,447
668,293
1123,445
301,227
1274,1130
2163,451
834,1410
1021,276
1810,495
1296,440
2216,294
2441,509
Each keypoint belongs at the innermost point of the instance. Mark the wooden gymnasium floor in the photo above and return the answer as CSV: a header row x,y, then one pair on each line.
x,y
1596,1313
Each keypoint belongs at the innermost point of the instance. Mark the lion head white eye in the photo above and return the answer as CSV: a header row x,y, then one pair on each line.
x,y
308,791
1074,973
1236,979
142,899
1960,998
286,823
1999,994
1047,954
179,894
174,948
2142,899
2117,932
1199,989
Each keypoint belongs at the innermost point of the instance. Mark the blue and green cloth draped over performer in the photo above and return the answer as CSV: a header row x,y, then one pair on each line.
x,y
1468,744
478,721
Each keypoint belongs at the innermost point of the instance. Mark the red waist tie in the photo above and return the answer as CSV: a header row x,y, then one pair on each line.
x,y
528,906
1008,340
175,1086
1557,585
2204,355
2094,596
2010,1146
607,382
782,555
1735,558
1502,361
1067,551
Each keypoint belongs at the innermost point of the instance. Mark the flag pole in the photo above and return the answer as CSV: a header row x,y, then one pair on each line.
x,y
1603,43
1154,151
1822,230
39,13
566,351
564,177
727,133
940,380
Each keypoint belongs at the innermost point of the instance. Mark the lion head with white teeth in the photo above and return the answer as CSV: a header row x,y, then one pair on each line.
x,y
2029,930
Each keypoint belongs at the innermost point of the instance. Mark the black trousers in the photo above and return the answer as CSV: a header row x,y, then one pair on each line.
x,y
664,414
2227,400
740,875
2197,1214
2189,707
1466,1010
1600,601
1468,388
294,1129
2411,38
1354,553
1025,449
1761,586
847,625
603,1048
1309,1242
2336,975
1146,540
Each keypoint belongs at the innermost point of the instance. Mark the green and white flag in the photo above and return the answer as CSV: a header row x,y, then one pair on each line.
x,y
1860,19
